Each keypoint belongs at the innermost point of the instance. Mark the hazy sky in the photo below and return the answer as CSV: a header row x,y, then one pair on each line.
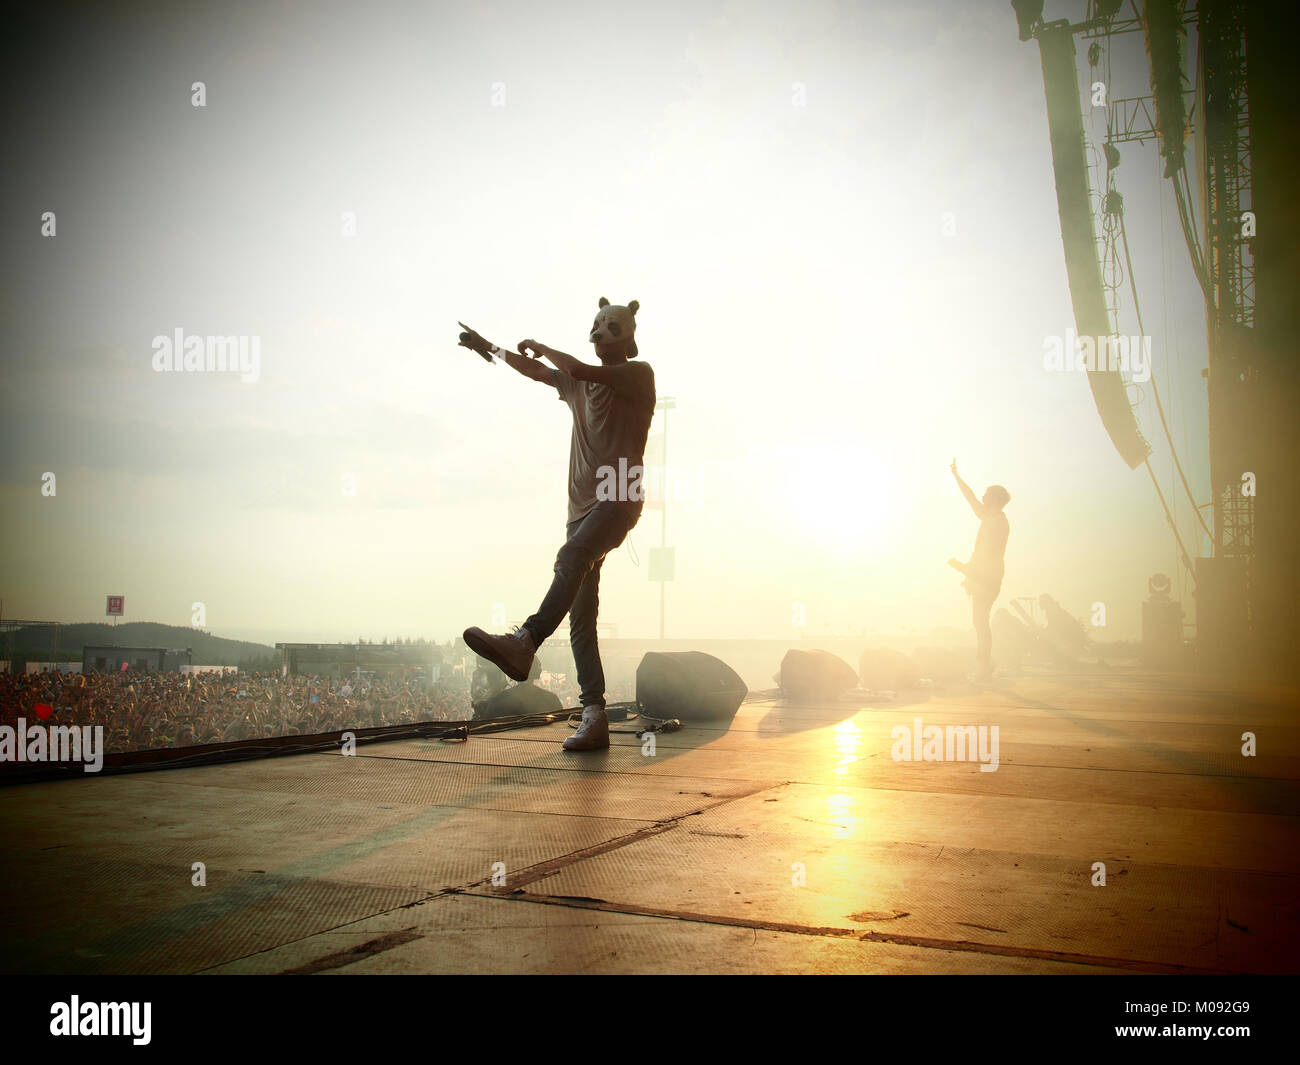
x,y
769,180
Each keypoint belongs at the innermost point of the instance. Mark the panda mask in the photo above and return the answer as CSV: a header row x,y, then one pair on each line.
x,y
614,324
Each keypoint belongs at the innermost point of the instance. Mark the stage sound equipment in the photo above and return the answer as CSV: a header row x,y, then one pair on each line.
x,y
812,675
688,685
1029,17
1164,40
940,664
1078,234
1162,634
517,700
884,669
1223,616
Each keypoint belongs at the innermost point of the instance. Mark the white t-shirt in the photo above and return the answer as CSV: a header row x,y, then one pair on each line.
x,y
986,562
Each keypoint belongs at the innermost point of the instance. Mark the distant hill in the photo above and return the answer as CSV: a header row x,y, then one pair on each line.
x,y
64,644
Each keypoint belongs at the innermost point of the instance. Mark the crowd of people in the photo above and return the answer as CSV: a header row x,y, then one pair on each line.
x,y
146,710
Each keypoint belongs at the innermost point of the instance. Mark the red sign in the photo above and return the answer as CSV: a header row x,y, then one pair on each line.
x,y
116,606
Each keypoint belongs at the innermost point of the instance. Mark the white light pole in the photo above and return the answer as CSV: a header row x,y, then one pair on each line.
x,y
665,404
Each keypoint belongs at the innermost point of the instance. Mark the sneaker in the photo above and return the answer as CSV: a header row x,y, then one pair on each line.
x,y
593,733
513,655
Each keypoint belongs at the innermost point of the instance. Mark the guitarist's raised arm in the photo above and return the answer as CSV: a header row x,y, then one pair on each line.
x,y
971,498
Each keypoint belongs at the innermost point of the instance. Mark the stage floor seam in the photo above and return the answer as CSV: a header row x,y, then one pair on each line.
x,y
1004,765
788,842
528,875
965,946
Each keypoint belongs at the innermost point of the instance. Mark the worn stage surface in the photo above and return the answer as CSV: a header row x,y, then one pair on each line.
x,y
687,860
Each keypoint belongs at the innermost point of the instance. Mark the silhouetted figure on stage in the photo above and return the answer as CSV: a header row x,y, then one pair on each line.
x,y
985,569
612,406
1066,633
487,681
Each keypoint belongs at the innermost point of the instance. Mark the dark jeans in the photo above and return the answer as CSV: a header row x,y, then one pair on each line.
x,y
575,590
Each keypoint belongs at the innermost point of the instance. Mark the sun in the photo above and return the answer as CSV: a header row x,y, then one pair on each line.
x,y
837,499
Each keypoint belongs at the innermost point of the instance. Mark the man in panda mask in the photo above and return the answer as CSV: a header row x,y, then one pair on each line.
x,y
612,406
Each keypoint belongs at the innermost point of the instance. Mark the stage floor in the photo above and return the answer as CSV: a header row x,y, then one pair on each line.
x,y
690,859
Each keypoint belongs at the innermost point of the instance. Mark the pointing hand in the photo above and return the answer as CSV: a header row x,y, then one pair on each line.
x,y
470,339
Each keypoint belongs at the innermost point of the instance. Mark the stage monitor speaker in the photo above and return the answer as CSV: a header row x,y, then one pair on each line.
x,y
808,676
516,701
688,685
884,669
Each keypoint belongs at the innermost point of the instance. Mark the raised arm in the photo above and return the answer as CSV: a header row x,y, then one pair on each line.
x,y
971,498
